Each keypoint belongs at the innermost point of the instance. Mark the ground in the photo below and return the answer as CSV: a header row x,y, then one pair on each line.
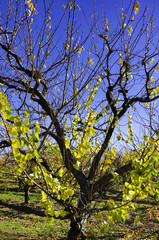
x,y
28,221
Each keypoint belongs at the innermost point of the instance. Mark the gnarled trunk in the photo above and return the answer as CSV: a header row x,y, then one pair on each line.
x,y
78,222
77,228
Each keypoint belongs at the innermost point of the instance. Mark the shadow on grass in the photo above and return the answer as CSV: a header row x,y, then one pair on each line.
x,y
23,208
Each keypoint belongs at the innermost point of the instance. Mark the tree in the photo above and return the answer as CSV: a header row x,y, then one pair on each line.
x,y
62,99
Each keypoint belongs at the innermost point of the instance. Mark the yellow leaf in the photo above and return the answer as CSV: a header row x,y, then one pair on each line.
x,y
57,214
94,112
66,47
29,13
31,21
78,8
108,161
105,168
67,143
152,60
152,80
136,7
132,19
12,131
113,151
30,4
15,143
70,4
147,105
90,61
131,77
44,196
122,16
120,62
32,57
61,172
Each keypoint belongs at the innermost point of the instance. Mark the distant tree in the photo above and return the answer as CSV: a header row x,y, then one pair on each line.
x,y
63,94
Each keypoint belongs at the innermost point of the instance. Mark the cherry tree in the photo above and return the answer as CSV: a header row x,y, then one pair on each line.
x,y
63,95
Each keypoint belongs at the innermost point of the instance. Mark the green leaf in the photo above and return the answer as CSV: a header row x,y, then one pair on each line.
x,y
37,127
110,203
44,196
12,130
36,154
15,143
119,137
18,123
26,113
99,216
60,172
18,157
67,193
57,213
1,106
104,227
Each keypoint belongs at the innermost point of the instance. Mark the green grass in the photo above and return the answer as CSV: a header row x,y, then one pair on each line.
x,y
16,224
29,227
19,196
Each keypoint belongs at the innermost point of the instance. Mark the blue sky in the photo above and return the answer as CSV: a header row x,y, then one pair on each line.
x,y
110,8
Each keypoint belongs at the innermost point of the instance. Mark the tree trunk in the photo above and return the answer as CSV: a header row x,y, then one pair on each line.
x,y
23,186
77,229
26,191
78,221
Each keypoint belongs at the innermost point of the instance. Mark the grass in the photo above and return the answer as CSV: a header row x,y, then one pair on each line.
x,y
28,226
19,196
31,228
20,221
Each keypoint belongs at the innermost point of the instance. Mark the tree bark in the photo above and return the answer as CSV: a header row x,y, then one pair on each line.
x,y
26,191
78,222
77,227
